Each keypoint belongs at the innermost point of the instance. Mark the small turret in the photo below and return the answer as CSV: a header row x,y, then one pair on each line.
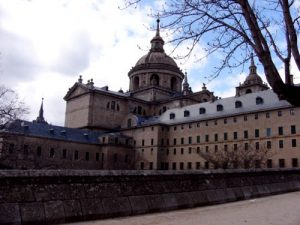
x,y
40,118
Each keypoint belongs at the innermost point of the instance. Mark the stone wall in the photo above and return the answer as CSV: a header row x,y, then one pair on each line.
x,y
57,196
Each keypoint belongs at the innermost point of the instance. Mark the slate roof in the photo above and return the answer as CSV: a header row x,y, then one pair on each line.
x,y
270,101
51,131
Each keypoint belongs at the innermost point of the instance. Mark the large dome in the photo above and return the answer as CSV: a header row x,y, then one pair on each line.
x,y
156,57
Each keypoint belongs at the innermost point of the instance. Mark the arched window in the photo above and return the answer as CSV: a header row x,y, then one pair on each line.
x,y
186,113
259,101
172,116
107,106
238,104
129,123
154,80
173,83
136,83
202,110
248,91
219,107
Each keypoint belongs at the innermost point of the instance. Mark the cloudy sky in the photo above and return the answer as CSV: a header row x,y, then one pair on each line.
x,y
46,44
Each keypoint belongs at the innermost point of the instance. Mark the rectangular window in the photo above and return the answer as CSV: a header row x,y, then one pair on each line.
x,y
174,165
143,142
206,148
207,138
64,153
189,165
216,148
181,165
225,121
225,136
280,143
257,164
174,141
235,136
115,157
246,146
11,148
198,149
113,105
76,155
280,130
256,133
182,141
175,127
198,139
234,119
98,156
182,151
245,134
198,165
142,165
256,116
235,147
257,145
151,166
25,149
190,150
39,151
269,163
225,148
216,122
216,137
294,143
51,154
190,140
267,115
87,156
152,141
269,144
245,118
294,162
206,123
279,113
293,129
268,132
206,165
281,163
174,151
292,112
167,152
190,125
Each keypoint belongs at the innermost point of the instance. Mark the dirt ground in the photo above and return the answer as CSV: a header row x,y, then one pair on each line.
x,y
275,210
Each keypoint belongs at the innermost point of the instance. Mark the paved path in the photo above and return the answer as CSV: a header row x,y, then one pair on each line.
x,y
275,210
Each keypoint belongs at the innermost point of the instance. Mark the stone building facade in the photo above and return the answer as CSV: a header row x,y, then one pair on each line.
x,y
160,123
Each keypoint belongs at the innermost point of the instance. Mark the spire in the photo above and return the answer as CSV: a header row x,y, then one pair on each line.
x,y
252,67
157,43
186,87
40,118
157,27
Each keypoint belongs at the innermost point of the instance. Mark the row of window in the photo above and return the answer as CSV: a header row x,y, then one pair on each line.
x,y
113,106
257,134
206,165
63,154
186,113
246,146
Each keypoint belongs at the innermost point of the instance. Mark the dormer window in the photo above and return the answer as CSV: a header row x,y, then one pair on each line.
x,y
172,116
238,104
219,107
202,111
259,101
186,113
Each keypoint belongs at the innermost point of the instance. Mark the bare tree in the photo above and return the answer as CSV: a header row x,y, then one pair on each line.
x,y
235,29
11,107
238,157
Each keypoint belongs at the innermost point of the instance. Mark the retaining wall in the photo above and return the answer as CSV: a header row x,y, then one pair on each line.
x,y
57,196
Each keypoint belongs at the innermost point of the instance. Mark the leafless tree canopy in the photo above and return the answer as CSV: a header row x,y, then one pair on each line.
x,y
11,107
238,157
234,29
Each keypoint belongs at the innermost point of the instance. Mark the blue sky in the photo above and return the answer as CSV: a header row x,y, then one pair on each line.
x,y
46,44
